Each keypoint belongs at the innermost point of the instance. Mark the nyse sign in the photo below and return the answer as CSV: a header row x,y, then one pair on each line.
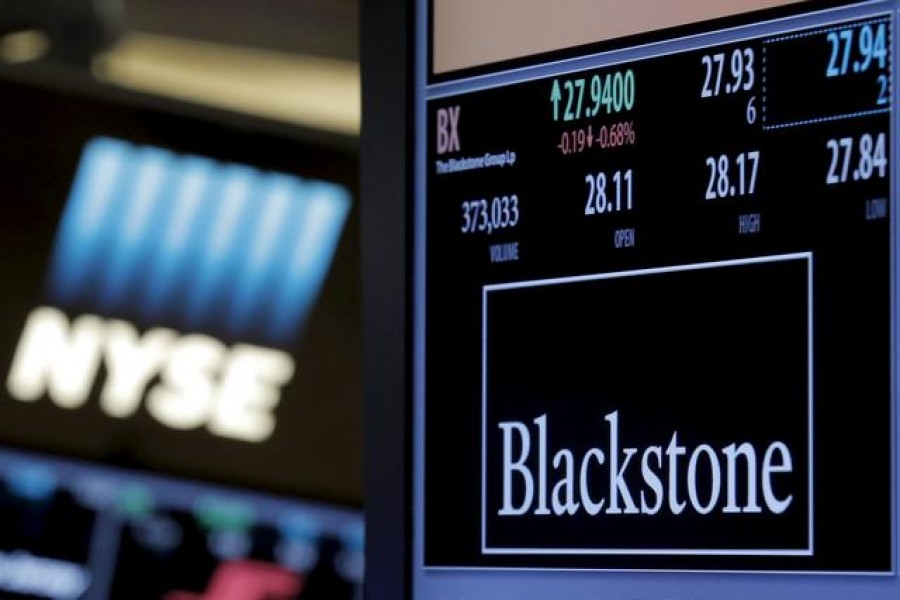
x,y
181,284
186,381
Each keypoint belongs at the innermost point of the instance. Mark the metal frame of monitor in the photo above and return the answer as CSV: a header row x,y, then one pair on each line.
x,y
388,63
387,53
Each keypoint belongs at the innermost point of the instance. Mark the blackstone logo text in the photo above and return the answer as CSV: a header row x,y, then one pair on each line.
x,y
665,468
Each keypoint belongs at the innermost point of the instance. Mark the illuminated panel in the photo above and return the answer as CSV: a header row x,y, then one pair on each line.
x,y
74,530
182,283
461,41
194,244
654,317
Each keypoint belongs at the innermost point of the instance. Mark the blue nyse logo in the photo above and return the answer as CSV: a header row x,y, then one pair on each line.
x,y
185,276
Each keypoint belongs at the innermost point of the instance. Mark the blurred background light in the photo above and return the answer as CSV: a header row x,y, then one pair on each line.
x,y
24,46
312,91
293,61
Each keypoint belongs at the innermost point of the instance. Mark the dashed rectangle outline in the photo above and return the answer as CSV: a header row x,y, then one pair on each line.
x,y
884,18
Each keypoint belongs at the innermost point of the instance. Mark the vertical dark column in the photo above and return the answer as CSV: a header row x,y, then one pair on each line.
x,y
386,54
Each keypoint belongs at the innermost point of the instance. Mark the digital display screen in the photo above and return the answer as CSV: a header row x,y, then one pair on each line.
x,y
77,530
181,294
179,353
654,331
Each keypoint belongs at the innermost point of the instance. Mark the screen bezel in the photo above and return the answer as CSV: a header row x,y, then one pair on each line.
x,y
387,53
390,33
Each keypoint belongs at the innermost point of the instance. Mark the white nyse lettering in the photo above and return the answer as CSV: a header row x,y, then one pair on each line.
x,y
184,398
234,392
131,362
249,393
56,359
